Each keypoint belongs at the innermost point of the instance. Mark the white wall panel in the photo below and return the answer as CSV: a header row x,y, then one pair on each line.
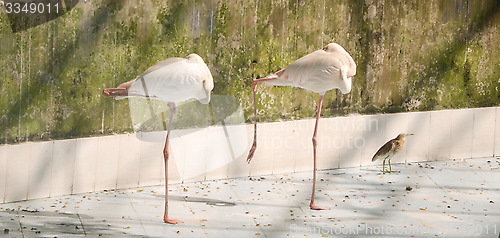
x,y
85,165
107,162
374,136
497,132
330,134
302,143
40,169
483,140
16,188
3,171
440,135
40,165
63,167
239,167
462,122
189,148
151,160
129,154
262,162
283,147
226,144
417,146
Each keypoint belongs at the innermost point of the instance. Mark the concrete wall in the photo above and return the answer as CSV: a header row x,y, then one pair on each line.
x,y
43,169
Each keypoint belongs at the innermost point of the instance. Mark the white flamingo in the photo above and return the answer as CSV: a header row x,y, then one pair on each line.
x,y
172,80
320,71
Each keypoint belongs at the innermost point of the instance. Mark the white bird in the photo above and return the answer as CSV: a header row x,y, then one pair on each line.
x,y
320,71
172,80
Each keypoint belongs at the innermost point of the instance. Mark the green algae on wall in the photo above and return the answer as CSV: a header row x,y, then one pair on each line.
x,y
411,55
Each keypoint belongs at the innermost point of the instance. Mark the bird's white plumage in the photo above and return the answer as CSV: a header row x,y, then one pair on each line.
x,y
172,80
175,80
319,71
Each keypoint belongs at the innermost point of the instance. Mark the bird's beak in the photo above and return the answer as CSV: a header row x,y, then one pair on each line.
x,y
409,134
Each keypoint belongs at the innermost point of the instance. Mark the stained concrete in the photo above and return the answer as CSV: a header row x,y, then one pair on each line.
x,y
458,198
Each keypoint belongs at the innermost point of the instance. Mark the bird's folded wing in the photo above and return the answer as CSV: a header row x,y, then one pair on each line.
x,y
162,64
383,151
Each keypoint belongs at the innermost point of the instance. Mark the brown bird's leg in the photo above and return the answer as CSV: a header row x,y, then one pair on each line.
x,y
390,167
383,166
254,145
165,156
311,205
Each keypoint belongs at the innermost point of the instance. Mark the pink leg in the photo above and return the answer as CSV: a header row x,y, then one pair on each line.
x,y
120,92
311,205
115,92
254,145
165,156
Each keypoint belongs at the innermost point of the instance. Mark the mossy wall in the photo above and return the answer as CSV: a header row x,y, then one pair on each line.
x,y
411,56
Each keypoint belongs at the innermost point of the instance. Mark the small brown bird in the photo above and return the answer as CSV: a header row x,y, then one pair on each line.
x,y
389,149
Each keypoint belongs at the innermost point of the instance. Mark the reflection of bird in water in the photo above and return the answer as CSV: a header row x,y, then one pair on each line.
x,y
320,71
389,149
172,80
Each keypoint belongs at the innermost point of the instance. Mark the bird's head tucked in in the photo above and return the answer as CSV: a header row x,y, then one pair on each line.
x,y
347,66
208,83
333,47
195,58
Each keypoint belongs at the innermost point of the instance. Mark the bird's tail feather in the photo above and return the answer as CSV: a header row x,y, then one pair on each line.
x,y
127,84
